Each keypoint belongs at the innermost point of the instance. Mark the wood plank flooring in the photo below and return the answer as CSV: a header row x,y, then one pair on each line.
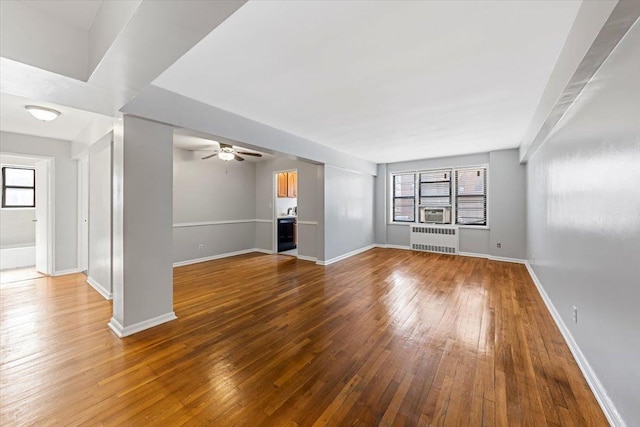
x,y
388,337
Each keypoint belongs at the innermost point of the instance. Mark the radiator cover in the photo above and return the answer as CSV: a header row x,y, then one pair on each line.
x,y
443,239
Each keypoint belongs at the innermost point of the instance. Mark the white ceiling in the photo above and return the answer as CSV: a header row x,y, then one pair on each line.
x,y
77,13
196,141
387,80
15,118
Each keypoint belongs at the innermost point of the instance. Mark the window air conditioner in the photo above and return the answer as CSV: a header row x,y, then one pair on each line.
x,y
435,215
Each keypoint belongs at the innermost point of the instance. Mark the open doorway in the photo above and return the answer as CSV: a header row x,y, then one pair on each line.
x,y
285,204
26,217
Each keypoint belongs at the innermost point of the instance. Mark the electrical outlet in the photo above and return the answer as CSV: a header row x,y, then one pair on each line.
x,y
575,314
499,245
200,247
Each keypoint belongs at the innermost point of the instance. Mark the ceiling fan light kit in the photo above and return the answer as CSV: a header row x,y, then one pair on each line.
x,y
226,156
227,153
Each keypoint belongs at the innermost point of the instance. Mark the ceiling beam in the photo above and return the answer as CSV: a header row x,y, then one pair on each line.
x,y
597,30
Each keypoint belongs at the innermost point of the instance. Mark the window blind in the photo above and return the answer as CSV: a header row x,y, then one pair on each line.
x,y
404,197
435,188
471,196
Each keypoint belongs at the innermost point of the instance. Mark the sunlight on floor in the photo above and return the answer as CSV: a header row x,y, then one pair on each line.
x,y
19,274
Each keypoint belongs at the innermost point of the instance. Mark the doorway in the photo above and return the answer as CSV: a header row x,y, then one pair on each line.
x,y
285,212
26,217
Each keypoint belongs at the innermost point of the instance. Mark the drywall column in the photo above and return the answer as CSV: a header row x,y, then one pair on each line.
x,y
142,225
380,200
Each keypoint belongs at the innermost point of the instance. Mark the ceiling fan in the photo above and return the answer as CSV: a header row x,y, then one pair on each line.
x,y
227,152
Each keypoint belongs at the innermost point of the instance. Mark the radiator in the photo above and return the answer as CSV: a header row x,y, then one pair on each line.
x,y
434,238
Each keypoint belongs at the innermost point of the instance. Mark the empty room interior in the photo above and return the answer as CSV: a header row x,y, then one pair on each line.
x,y
306,213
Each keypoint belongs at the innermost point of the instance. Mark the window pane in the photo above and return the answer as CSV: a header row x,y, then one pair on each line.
x,y
435,176
19,197
19,177
403,210
435,201
471,196
404,185
471,210
435,189
471,182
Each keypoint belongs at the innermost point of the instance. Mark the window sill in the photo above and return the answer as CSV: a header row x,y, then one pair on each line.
x,y
18,209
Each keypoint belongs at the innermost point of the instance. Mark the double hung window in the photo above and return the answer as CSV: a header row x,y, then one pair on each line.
x,y
18,187
404,197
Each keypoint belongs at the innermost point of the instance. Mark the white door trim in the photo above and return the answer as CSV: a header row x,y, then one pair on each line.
x,y
51,206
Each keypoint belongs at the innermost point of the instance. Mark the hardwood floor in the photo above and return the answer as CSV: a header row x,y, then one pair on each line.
x,y
19,274
388,337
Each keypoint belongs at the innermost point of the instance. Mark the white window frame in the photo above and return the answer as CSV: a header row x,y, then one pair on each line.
x,y
453,170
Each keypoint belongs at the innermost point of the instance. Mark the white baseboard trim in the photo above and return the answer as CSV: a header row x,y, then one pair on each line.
x,y
609,409
345,256
493,258
122,331
264,251
99,288
384,246
220,256
307,258
65,272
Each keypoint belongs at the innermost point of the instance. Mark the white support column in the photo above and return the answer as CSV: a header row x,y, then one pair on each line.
x,y
142,225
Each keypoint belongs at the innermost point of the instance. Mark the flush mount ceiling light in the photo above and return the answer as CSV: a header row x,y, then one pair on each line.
x,y
42,113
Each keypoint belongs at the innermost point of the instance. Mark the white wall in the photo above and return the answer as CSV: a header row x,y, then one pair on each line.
x,y
583,223
66,192
284,203
310,209
506,199
99,272
348,212
212,191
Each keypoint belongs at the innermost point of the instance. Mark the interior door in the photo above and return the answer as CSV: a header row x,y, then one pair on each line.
x,y
83,198
42,216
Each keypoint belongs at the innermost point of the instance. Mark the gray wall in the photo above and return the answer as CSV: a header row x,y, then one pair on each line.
x,y
212,191
583,223
142,223
348,211
99,270
16,225
507,205
310,210
506,201
66,190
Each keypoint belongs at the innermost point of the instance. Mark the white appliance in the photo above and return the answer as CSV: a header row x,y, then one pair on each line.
x,y
434,215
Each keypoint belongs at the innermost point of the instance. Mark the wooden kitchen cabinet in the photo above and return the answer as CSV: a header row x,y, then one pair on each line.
x,y
287,184
292,184
282,184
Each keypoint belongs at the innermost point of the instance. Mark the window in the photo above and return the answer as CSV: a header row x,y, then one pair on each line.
x,y
404,197
435,188
18,187
463,191
471,196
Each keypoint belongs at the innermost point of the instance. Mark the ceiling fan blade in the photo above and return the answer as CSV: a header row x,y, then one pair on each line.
x,y
209,156
238,158
249,154
223,145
